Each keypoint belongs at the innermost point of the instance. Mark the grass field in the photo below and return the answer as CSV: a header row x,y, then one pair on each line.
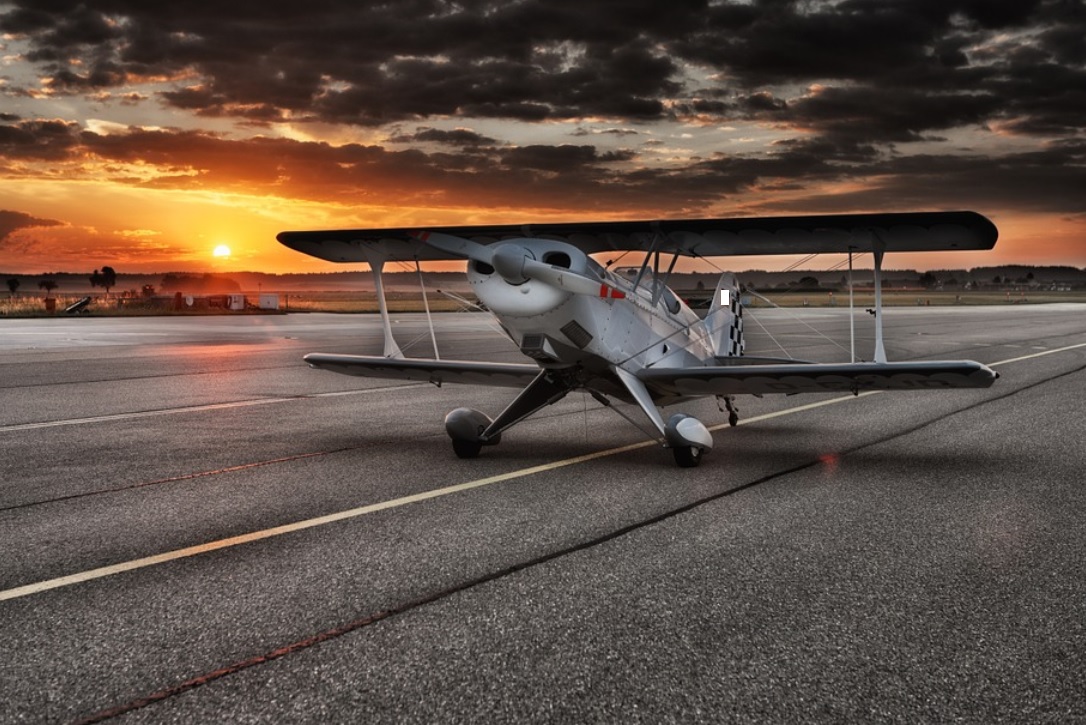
x,y
912,298
366,302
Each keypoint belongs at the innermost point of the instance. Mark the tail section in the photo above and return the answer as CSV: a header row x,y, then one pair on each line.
x,y
724,322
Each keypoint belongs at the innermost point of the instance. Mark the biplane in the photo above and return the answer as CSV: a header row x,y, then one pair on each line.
x,y
629,337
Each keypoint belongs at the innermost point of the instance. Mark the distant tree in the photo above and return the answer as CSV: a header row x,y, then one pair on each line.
x,y
808,282
997,280
1029,277
106,278
48,285
13,285
928,280
148,290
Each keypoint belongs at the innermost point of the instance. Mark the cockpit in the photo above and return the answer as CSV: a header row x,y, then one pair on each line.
x,y
649,281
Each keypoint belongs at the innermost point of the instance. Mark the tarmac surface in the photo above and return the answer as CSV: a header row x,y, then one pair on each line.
x,y
195,527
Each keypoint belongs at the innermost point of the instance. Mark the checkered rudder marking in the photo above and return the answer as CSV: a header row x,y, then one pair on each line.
x,y
736,343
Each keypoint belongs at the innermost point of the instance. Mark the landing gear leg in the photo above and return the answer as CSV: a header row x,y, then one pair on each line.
x,y
733,411
470,430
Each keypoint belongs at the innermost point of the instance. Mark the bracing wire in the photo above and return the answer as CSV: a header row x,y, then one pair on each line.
x,y
798,319
765,329
805,260
795,317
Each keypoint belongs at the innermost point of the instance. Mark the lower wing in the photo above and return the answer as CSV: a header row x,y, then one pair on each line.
x,y
818,378
509,375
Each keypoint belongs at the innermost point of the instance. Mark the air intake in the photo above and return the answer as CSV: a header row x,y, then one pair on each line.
x,y
538,347
577,334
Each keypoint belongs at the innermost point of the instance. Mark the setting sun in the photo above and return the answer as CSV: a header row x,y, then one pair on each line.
x,y
221,252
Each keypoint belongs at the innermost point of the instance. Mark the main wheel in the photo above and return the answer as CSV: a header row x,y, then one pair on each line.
x,y
687,456
733,419
466,449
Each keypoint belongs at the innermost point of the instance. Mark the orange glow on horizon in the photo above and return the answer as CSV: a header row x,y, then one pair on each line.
x,y
151,230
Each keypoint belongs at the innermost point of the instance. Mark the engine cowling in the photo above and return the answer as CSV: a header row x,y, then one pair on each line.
x,y
506,290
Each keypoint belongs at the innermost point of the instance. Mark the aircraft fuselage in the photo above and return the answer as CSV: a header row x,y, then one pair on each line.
x,y
631,324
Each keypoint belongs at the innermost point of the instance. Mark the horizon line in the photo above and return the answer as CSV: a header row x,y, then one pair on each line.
x,y
411,272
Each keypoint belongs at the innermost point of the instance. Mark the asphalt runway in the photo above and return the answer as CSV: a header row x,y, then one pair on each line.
x,y
195,527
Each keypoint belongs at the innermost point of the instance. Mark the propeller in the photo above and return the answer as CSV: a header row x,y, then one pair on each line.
x,y
570,281
516,265
457,246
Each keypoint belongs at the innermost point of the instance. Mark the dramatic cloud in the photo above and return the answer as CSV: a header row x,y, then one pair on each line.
x,y
375,63
540,176
619,108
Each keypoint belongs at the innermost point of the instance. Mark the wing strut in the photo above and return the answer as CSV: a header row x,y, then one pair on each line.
x,y
662,284
878,247
851,311
641,396
426,304
645,264
391,348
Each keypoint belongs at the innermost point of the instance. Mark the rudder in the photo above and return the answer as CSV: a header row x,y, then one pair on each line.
x,y
724,322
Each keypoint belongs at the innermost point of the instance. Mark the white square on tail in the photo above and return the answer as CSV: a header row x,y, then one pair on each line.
x,y
726,297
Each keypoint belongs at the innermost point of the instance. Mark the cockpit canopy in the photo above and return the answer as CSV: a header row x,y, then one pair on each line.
x,y
650,282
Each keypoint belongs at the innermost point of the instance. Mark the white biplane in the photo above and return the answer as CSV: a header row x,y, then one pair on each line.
x,y
630,337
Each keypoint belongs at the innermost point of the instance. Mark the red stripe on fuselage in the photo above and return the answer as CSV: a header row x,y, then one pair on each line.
x,y
611,293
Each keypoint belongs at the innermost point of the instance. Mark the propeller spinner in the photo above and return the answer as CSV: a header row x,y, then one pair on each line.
x,y
516,263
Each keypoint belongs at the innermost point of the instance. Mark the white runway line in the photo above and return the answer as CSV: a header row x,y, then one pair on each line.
x,y
1037,354
134,564
197,408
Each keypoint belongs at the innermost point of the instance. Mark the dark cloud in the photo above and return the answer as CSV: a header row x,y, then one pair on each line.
x,y
38,140
460,137
852,87
368,63
902,115
1030,182
12,221
563,159
583,132
371,63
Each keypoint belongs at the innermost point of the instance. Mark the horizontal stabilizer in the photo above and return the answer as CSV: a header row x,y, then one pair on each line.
x,y
509,375
817,378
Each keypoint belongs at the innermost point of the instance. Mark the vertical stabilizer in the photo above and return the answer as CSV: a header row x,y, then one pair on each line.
x,y
724,322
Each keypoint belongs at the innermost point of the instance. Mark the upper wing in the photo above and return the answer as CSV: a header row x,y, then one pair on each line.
x,y
898,232
817,378
509,375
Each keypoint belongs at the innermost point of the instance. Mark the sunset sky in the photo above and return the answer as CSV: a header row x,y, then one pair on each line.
x,y
144,135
